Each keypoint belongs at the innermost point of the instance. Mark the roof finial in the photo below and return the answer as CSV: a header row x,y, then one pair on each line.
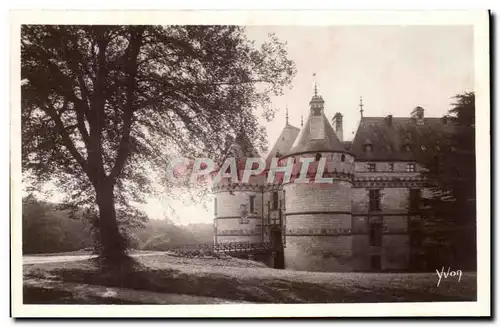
x,y
315,86
361,106
286,114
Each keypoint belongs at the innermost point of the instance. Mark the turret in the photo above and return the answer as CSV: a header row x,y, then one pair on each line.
x,y
238,206
318,215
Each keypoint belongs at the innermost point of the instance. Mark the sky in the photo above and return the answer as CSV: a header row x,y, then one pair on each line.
x,y
394,69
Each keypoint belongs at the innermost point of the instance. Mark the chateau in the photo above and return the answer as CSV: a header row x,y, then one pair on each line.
x,y
366,220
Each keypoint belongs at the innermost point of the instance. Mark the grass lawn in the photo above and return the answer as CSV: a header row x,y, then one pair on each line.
x,y
243,280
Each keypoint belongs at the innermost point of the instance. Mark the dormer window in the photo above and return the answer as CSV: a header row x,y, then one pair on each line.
x,y
368,148
318,156
423,147
407,148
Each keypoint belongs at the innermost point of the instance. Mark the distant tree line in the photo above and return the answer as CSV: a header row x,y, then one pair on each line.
x,y
49,229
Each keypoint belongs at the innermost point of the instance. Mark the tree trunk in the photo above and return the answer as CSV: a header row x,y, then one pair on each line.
x,y
112,243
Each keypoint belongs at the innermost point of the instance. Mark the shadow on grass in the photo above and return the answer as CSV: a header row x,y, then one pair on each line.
x,y
132,274
34,295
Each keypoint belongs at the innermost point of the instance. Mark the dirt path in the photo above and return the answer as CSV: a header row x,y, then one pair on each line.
x,y
50,258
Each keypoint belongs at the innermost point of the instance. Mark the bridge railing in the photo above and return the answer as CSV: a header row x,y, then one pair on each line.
x,y
238,247
230,247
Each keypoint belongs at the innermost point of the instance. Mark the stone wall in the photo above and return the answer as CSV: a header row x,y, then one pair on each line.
x,y
318,253
318,197
392,199
333,161
229,205
230,226
318,223
394,250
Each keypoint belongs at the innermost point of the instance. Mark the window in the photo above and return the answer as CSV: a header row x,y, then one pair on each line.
x,y
252,203
275,200
407,148
215,206
342,158
318,156
414,199
374,200
371,167
391,167
410,167
376,234
423,147
368,148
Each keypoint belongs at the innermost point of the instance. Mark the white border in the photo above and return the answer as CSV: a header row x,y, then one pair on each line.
x,y
479,19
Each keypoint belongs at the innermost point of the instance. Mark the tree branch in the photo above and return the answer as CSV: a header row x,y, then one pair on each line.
x,y
124,147
52,113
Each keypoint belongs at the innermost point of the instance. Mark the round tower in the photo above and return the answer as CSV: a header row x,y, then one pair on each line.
x,y
318,203
237,206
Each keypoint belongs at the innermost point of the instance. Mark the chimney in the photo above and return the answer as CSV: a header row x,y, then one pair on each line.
x,y
418,115
337,122
388,119
444,120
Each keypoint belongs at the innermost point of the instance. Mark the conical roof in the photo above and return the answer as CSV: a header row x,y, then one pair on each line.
x,y
317,135
284,142
242,148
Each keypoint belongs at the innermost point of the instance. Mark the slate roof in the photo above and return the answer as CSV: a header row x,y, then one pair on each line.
x,y
317,135
284,142
401,138
242,147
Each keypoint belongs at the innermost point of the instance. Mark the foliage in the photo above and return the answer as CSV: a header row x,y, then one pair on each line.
x,y
48,229
450,212
162,235
105,108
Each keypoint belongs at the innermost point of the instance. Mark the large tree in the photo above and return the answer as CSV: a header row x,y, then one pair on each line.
x,y
103,107
451,210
